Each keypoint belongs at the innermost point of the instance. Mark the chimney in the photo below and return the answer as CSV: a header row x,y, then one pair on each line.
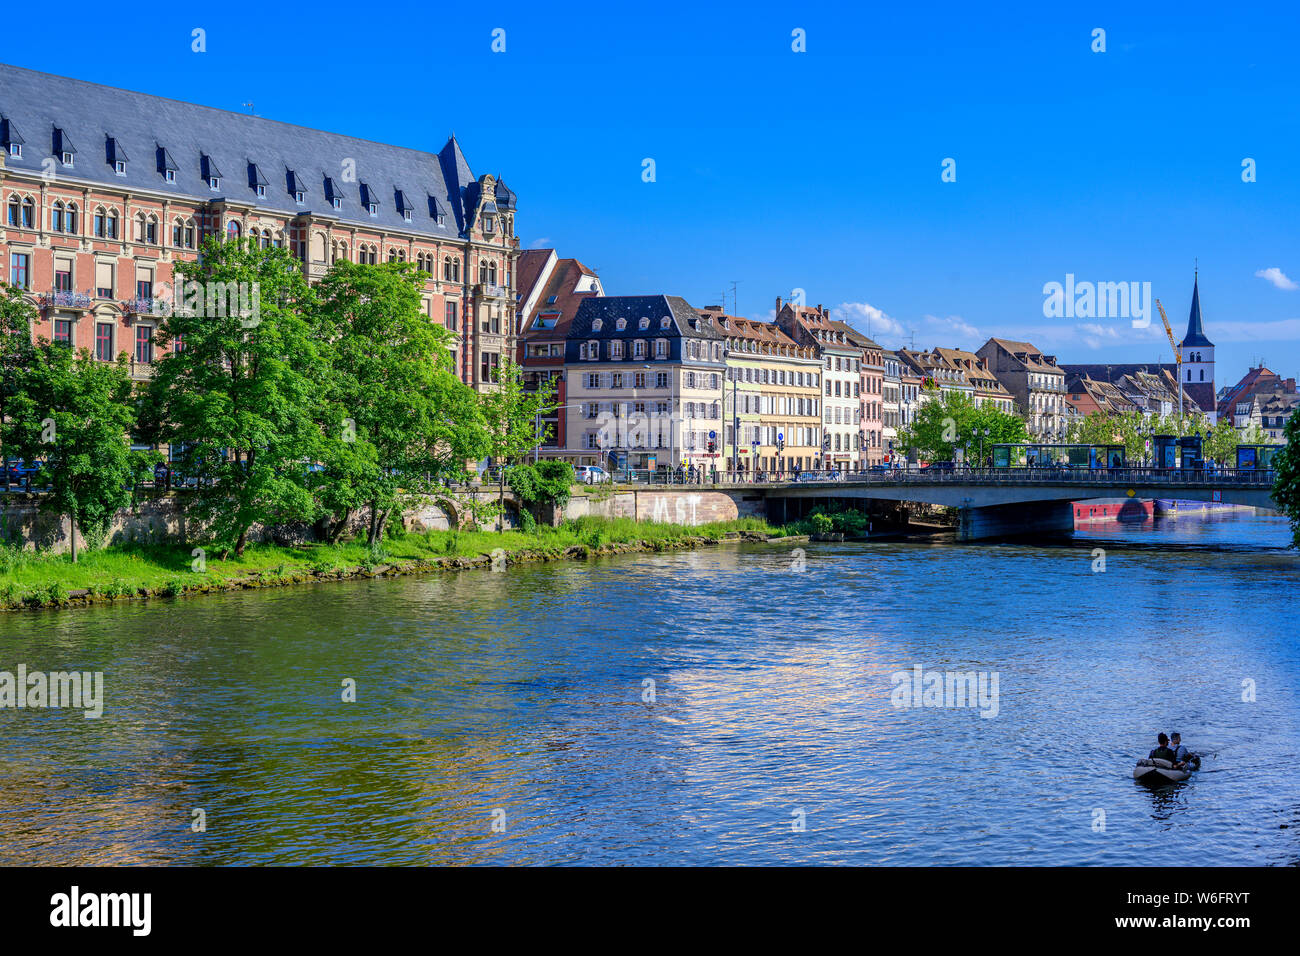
x,y
819,308
778,305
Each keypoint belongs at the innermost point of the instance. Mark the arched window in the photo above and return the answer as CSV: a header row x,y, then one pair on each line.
x,y
14,211
492,273
232,230
1202,375
29,214
70,218
482,273
56,217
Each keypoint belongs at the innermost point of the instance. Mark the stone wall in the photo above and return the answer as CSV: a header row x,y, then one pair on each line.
x,y
689,506
158,517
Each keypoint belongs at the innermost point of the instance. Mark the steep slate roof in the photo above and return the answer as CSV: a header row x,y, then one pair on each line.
x,y
685,320
1195,331
142,124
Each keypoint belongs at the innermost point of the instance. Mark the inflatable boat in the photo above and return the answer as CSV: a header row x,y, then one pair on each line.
x,y
1159,772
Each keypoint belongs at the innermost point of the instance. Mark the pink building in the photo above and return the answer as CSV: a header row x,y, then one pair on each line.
x,y
103,190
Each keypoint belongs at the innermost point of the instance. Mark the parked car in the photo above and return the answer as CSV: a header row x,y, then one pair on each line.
x,y
17,472
938,466
879,469
591,474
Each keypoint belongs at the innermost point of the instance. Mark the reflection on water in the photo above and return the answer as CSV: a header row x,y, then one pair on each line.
x,y
523,692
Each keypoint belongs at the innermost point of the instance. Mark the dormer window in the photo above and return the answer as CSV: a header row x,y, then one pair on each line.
x,y
489,224
406,214
664,322
372,208
119,167
621,324
214,183
16,150
169,175
261,191
336,202
67,159
300,197
644,323
596,325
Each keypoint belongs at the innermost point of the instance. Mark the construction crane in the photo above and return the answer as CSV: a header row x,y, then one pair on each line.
x,y
1178,354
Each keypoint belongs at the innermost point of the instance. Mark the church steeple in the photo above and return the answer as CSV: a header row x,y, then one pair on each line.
x,y
1195,331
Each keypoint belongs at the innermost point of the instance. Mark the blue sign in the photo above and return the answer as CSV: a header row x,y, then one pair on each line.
x,y
780,436
713,435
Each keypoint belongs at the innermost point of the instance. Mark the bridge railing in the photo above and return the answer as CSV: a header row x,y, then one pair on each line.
x,y
1140,475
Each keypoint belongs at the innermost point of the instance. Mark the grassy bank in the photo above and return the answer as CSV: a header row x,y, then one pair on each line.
x,y
36,579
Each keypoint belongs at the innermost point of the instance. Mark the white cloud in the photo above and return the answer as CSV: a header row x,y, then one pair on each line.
x,y
955,325
1282,330
867,318
542,243
1279,278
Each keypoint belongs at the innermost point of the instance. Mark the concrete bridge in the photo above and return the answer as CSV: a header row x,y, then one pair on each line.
x,y
993,502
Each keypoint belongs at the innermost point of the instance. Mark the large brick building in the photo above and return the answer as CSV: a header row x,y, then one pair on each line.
x,y
103,190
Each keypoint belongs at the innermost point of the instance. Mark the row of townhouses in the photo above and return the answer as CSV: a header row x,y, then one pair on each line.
x,y
103,191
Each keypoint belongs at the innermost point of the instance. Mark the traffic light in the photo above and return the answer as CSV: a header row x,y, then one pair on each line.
x,y
713,446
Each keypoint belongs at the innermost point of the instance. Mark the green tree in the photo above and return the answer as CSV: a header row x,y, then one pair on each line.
x,y
75,414
1095,428
549,481
511,415
1221,442
948,421
16,347
399,421
238,387
1286,475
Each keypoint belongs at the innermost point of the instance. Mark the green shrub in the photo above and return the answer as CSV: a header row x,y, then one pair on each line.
x,y
821,523
527,523
174,588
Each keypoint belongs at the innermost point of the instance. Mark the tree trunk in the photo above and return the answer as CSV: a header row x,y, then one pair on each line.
x,y
72,523
340,526
374,523
241,542
501,501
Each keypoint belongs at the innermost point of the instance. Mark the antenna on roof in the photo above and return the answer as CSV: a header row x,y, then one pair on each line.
x,y
249,106
735,309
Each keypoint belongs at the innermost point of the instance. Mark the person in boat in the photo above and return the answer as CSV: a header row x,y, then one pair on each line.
x,y
1162,751
1181,753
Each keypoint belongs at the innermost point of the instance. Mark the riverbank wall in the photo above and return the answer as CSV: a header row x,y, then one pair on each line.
x,y
496,561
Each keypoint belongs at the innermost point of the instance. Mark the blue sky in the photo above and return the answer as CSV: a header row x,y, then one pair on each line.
x,y
817,170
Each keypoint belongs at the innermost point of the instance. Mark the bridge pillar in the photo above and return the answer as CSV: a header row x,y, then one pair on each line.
x,y
1002,521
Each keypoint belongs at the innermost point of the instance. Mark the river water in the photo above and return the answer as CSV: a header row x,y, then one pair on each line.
x,y
506,717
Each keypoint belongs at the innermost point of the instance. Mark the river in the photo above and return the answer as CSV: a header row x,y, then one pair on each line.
x,y
507,717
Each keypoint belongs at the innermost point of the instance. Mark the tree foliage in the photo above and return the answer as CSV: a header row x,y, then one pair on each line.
x,y
951,420
398,423
1286,475
510,415
239,394
74,415
16,348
